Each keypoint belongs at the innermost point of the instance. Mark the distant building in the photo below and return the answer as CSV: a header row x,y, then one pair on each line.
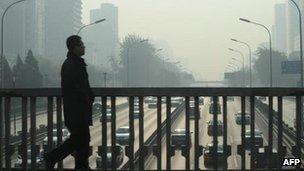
x,y
293,26
62,19
102,39
280,28
25,21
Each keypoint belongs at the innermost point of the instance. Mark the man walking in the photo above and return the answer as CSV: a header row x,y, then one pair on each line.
x,y
77,103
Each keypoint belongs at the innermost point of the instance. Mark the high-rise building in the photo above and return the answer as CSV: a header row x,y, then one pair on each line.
x,y
293,35
102,39
62,19
23,28
280,28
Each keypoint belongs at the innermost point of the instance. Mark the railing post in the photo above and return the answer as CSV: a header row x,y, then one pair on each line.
x,y
225,131
252,133
59,126
280,133
270,132
113,130
104,132
159,133
50,123
8,149
243,166
215,132
142,148
1,133
299,118
131,134
24,133
188,137
168,130
33,132
197,149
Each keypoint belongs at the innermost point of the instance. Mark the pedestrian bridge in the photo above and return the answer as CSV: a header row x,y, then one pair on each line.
x,y
171,131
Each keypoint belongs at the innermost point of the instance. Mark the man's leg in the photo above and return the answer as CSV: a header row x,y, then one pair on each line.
x,y
82,149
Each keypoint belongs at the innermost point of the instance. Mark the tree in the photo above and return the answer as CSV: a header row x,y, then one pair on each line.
x,y
261,67
18,71
33,77
8,74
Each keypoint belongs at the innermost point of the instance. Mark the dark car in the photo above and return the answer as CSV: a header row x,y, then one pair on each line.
x,y
122,135
262,98
176,101
219,128
258,139
108,115
119,157
192,111
209,158
39,159
201,100
261,159
136,113
230,98
238,118
178,138
211,110
152,104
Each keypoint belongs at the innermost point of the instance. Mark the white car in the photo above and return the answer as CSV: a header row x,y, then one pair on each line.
x,y
65,135
39,160
122,135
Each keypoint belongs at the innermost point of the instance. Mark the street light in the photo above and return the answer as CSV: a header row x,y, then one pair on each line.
x,y
96,22
301,41
250,65
270,45
128,51
242,55
2,40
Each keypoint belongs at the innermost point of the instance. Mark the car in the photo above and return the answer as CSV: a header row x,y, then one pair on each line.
x,y
108,115
122,135
261,159
149,99
39,159
258,139
262,98
209,158
136,113
238,118
211,110
152,104
201,100
178,138
192,111
220,128
65,136
119,157
176,101
97,108
230,98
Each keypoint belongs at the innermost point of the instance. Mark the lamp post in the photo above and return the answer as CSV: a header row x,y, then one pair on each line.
x,y
270,44
96,22
2,40
128,51
301,41
250,65
14,85
243,63
105,79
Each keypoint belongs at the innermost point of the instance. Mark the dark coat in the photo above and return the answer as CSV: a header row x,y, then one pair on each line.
x,y
76,91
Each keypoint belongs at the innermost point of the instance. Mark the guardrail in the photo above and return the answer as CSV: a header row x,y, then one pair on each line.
x,y
31,95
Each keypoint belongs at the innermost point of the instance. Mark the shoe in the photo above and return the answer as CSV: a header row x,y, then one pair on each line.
x,y
49,163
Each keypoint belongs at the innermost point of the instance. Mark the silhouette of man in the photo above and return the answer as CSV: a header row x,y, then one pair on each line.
x,y
77,103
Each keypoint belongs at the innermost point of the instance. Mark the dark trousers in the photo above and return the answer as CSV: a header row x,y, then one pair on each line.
x,y
78,143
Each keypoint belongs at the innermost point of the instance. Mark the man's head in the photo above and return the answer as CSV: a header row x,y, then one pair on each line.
x,y
75,45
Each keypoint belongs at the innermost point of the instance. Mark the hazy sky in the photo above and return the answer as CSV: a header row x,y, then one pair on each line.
x,y
198,31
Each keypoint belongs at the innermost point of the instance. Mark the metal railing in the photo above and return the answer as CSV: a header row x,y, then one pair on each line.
x,y
138,158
